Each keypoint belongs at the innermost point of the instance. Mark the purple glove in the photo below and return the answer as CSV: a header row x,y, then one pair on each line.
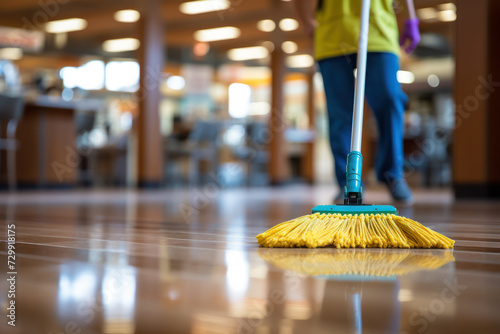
x,y
410,36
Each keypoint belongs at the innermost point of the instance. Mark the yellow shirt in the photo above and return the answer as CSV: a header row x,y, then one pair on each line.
x,y
338,28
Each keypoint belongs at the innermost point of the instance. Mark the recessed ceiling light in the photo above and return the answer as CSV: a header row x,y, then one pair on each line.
x,y
406,77
447,6
127,15
289,47
121,45
288,24
67,25
176,82
427,14
217,34
199,7
266,25
299,61
253,52
268,45
11,53
447,15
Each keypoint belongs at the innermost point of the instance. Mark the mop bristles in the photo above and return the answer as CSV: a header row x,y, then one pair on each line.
x,y
351,231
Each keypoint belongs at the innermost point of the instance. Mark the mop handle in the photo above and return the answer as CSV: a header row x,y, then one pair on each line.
x,y
359,94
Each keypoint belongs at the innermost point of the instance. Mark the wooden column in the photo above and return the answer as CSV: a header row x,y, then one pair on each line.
x,y
150,56
278,163
493,138
476,140
308,161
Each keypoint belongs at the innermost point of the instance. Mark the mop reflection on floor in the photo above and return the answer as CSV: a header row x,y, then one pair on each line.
x,y
349,270
347,264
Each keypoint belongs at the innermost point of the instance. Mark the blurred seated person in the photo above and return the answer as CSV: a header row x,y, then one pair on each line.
x,y
181,129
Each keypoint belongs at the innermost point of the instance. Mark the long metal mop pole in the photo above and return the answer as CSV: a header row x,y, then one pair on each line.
x,y
353,191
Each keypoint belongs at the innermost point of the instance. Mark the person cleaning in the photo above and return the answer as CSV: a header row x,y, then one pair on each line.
x,y
335,29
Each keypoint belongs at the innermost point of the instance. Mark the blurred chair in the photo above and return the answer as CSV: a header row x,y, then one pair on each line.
x,y
202,144
108,163
437,163
11,111
254,153
84,123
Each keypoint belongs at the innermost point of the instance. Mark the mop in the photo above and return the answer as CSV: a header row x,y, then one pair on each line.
x,y
354,224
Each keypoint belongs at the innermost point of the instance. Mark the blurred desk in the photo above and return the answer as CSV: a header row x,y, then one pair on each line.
x,y
47,156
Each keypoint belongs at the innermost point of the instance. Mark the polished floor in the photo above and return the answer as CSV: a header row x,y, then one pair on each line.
x,y
187,261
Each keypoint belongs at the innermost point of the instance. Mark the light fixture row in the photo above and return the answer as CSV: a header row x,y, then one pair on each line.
x,y
206,6
446,12
76,24
191,7
259,52
286,24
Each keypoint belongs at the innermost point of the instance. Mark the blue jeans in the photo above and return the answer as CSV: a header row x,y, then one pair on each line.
x,y
385,98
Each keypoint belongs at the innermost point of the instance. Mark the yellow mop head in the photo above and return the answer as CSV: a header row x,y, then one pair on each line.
x,y
350,231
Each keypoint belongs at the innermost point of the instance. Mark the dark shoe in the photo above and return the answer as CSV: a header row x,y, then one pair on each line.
x,y
400,191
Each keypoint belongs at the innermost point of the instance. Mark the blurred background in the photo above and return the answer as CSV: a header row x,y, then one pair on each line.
x,y
172,94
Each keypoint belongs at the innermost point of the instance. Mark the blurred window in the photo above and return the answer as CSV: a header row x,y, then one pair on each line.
x,y
89,76
122,76
239,100
69,76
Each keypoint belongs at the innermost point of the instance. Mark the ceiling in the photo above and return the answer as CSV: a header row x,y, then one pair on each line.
x,y
178,27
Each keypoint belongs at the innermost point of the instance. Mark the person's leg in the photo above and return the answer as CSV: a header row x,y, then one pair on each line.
x,y
387,100
338,80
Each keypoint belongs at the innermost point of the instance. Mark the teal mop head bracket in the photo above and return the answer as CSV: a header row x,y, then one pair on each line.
x,y
365,209
353,189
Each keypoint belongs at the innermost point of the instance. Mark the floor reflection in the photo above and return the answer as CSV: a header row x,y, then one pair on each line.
x,y
89,299
347,263
348,274
237,274
118,291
